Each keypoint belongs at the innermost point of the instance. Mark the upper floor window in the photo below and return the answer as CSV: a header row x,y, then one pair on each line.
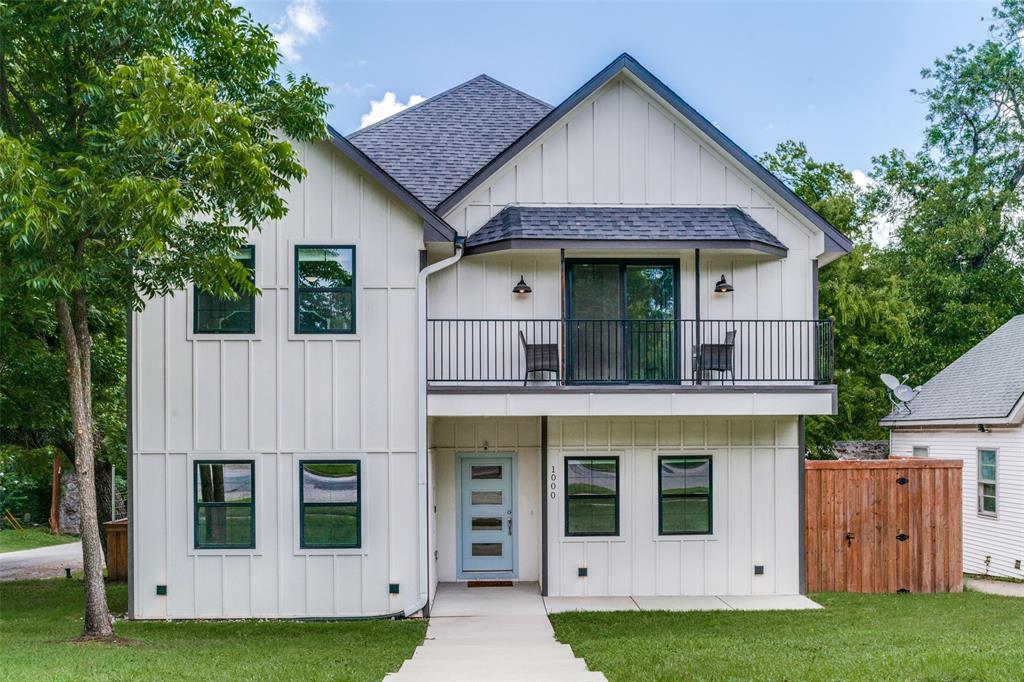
x,y
213,315
987,464
225,507
325,297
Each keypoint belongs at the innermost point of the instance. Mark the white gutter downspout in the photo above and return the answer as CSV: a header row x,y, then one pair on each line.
x,y
421,426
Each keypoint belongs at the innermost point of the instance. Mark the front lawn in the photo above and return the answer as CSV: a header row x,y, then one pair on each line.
x,y
968,636
38,617
15,540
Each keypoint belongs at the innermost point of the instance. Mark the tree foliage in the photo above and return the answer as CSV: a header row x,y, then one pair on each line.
x,y
871,317
140,142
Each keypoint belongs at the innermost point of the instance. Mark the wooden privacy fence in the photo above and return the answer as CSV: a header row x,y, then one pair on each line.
x,y
117,549
884,526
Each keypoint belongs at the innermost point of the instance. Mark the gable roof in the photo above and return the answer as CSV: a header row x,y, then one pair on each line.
x,y
645,226
434,147
435,228
835,240
985,383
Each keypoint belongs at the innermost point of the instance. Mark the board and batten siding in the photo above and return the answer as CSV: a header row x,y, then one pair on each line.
x,y
999,539
755,481
623,146
276,397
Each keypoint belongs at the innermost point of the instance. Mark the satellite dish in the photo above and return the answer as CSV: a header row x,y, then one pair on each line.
x,y
890,381
900,394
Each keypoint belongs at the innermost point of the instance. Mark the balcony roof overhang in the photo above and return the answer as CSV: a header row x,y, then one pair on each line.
x,y
623,227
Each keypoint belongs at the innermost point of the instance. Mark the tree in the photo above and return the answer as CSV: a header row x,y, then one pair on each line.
x,y
958,202
141,140
871,317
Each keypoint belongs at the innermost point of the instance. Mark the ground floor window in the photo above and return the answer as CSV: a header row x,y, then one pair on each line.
x,y
591,495
684,495
329,504
920,451
225,507
987,482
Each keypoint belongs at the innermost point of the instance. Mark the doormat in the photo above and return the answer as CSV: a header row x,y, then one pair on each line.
x,y
489,583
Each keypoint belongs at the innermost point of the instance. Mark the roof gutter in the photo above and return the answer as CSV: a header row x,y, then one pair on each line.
x,y
421,424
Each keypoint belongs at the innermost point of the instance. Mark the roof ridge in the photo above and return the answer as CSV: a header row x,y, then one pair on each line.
x,y
515,90
432,98
418,105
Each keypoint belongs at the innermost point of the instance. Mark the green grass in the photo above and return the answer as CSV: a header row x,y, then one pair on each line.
x,y
968,636
38,617
12,540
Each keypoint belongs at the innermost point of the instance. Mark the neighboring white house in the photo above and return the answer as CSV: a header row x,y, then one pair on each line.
x,y
974,410
366,428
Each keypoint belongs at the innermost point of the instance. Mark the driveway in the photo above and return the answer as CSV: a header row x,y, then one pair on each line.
x,y
42,562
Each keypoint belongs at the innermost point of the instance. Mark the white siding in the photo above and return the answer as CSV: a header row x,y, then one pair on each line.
x,y
277,398
623,146
999,539
755,509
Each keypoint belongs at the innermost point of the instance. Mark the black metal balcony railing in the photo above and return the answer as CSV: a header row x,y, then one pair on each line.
x,y
631,351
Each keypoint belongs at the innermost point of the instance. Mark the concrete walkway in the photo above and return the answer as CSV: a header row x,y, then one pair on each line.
x,y
999,587
41,562
500,634
745,602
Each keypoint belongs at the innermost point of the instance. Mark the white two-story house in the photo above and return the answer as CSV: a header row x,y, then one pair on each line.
x,y
497,340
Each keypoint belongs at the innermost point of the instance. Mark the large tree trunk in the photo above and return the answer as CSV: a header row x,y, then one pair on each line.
x,y
77,342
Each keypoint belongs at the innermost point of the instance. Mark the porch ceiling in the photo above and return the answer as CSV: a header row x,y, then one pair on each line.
x,y
636,227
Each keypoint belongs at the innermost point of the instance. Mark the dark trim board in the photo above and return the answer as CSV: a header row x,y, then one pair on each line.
x,y
834,239
619,244
545,483
632,388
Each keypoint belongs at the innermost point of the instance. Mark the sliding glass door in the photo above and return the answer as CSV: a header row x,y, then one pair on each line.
x,y
622,321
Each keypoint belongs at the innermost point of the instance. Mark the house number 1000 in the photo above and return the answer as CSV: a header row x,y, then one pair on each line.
x,y
554,482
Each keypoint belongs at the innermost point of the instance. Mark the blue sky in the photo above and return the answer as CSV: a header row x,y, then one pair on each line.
x,y
834,75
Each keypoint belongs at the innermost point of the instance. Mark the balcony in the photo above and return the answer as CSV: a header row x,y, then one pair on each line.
x,y
657,354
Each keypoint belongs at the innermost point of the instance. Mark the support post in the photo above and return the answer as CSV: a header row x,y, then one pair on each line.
x,y
545,485
697,370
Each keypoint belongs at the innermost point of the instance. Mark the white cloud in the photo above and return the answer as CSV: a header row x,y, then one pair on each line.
x,y
348,88
302,22
386,106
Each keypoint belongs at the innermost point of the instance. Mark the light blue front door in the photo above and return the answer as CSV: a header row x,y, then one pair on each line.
x,y
486,514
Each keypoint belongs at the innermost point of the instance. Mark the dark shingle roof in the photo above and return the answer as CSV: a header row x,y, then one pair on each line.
x,y
622,223
434,147
986,382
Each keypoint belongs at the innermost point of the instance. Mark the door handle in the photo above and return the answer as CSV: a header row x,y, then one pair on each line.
x,y
510,526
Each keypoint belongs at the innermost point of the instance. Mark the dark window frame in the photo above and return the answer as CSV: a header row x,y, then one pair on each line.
x,y
617,496
196,293
299,289
197,504
623,264
710,496
358,504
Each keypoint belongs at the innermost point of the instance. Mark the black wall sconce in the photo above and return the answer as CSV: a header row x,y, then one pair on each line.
x,y
722,286
522,287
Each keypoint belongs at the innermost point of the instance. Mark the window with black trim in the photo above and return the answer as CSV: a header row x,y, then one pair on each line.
x,y
591,495
329,504
684,495
325,297
213,315
987,465
225,504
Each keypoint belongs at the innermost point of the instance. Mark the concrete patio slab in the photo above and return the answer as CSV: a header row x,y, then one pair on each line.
x,y
769,602
693,603
459,600
998,587
564,604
